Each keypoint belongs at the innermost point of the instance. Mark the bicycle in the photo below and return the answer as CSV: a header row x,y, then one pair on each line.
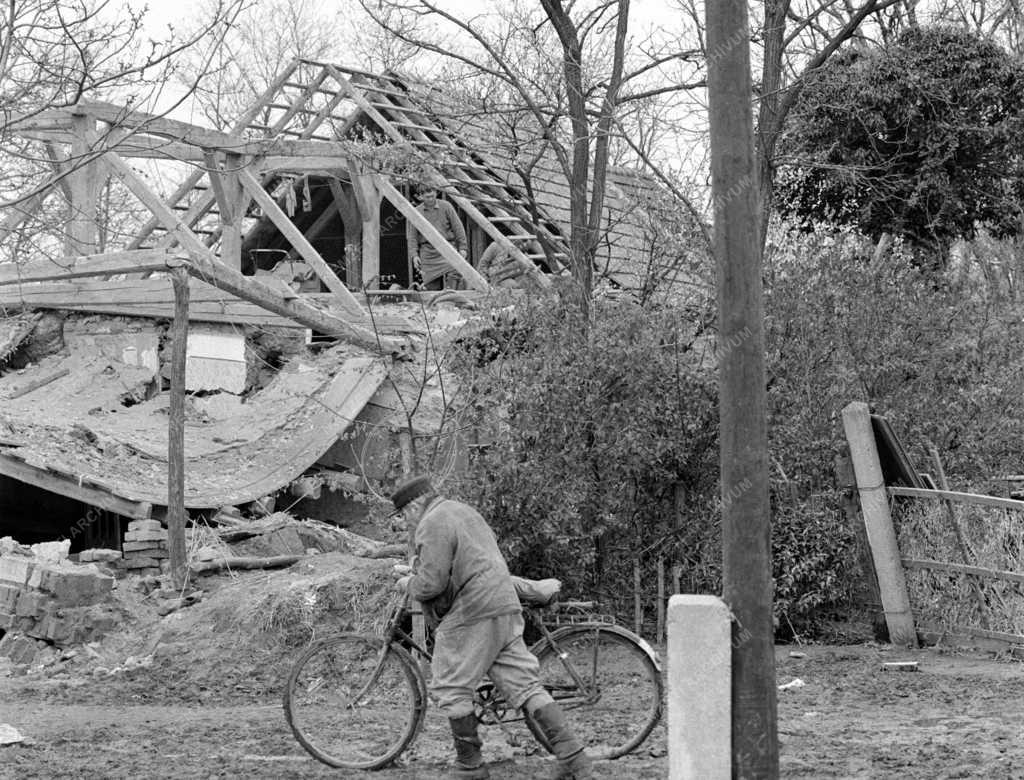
x,y
356,701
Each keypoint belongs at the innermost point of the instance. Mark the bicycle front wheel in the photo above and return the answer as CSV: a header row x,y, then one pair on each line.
x,y
619,701
355,702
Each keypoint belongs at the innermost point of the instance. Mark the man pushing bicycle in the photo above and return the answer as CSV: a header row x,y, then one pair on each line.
x,y
463,582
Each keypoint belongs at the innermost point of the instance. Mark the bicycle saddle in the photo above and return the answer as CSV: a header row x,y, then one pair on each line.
x,y
536,593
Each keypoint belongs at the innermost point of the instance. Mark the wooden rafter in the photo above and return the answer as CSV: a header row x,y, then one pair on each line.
x,y
130,261
297,239
204,265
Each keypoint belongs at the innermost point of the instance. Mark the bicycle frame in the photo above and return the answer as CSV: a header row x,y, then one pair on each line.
x,y
582,693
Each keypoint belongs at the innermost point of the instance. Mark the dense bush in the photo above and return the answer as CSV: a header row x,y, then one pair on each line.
x,y
606,445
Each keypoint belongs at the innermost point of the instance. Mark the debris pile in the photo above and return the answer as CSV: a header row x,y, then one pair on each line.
x,y
47,600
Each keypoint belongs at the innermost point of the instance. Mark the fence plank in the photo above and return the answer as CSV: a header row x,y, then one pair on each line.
x,y
963,498
961,568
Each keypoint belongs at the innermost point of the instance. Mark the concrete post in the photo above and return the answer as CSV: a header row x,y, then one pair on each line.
x,y
699,685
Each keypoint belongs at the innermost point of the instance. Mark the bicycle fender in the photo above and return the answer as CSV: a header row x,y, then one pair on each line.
x,y
625,633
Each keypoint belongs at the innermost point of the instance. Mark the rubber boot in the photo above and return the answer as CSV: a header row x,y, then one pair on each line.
x,y
571,760
469,761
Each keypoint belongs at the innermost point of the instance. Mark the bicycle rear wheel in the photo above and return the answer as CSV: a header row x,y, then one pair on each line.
x,y
354,702
619,703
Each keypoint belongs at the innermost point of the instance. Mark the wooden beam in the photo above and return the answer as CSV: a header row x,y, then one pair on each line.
x,y
154,203
216,273
422,224
66,486
878,523
476,215
962,568
206,267
19,212
88,265
297,240
957,497
298,164
58,162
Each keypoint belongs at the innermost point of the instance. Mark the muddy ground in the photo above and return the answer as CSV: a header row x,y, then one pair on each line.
x,y
959,716
197,694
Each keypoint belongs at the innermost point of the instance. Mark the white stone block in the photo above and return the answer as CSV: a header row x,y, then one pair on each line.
x,y
215,359
699,683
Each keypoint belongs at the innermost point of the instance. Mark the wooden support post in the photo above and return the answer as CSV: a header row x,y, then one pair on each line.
x,y
677,578
231,200
746,508
874,504
368,197
176,430
351,220
82,233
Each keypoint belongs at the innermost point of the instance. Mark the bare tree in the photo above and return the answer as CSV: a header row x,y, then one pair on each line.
x,y
268,34
54,54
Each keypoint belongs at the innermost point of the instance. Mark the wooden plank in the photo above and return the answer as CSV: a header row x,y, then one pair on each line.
x,y
878,523
957,497
981,633
35,384
88,265
97,497
963,568
422,224
298,240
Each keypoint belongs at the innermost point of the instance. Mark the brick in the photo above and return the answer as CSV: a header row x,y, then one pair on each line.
x,y
8,596
146,536
141,562
16,569
99,555
131,547
149,552
145,525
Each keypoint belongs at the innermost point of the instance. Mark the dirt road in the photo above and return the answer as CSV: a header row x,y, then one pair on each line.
x,y
959,716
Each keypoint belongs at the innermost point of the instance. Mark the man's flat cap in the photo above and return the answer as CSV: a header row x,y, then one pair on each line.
x,y
410,490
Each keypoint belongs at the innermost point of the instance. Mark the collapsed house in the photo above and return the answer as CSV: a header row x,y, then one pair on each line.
x,y
305,343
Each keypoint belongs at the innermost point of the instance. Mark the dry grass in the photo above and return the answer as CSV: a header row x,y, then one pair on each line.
x,y
994,539
309,609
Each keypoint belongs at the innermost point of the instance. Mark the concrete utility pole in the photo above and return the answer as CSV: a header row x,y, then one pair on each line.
x,y
746,528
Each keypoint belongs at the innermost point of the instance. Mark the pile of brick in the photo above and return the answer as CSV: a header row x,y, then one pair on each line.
x,y
45,596
145,547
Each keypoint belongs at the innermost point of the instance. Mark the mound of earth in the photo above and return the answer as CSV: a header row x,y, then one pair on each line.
x,y
234,644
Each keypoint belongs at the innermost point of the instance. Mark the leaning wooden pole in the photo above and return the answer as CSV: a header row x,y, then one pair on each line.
x,y
746,524
176,430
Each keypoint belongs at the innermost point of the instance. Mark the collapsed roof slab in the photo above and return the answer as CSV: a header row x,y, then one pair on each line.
x,y
89,448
